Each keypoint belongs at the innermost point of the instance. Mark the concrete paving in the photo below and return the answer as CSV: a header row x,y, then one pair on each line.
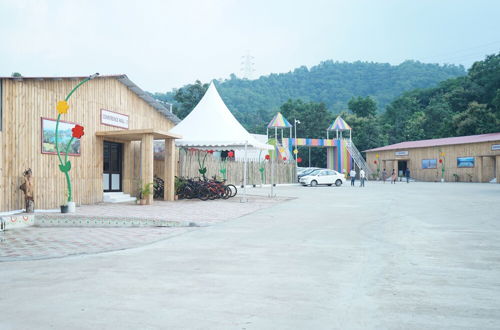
x,y
404,256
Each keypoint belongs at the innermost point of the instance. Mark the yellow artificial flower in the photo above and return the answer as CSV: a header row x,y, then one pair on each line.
x,y
376,156
62,107
282,150
295,151
442,154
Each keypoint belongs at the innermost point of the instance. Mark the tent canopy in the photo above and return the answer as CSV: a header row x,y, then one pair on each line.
x,y
279,122
212,125
339,125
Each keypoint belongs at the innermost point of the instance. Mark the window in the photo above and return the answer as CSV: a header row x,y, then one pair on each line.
x,y
465,161
429,164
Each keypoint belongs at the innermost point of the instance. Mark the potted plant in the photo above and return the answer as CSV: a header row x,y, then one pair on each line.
x,y
457,178
145,193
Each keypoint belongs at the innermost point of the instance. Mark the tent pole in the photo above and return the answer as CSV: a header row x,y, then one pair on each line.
x,y
309,156
244,199
327,134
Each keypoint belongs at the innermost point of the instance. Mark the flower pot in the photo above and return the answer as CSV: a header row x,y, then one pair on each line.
x,y
254,185
71,207
64,208
142,201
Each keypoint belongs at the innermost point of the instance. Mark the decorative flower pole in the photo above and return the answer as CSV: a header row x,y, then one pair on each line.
x,y
378,165
223,169
65,166
262,169
442,160
202,169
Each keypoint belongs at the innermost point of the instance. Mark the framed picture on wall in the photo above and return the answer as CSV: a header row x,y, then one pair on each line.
x,y
429,163
465,161
49,137
159,149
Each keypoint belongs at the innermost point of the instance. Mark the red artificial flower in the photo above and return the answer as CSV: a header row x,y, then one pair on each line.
x,y
210,151
268,157
440,161
299,160
77,131
230,154
284,158
375,162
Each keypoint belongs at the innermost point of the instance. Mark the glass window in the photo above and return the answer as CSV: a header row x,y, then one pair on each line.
x,y
429,163
465,161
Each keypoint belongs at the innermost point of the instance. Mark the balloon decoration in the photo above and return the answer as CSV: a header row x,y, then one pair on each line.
x,y
62,108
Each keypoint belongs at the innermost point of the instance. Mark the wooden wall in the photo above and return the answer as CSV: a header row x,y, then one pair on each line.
x,y
26,101
416,155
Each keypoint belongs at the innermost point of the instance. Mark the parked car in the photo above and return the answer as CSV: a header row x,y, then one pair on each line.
x,y
327,177
307,172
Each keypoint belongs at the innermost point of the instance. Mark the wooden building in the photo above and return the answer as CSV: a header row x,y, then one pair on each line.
x,y
115,154
473,158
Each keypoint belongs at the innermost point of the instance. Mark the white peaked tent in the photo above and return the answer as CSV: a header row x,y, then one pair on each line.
x,y
210,125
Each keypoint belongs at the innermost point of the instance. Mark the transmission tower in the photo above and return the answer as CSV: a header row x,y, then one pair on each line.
x,y
247,66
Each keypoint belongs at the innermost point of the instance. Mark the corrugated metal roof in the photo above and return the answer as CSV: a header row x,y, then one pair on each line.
x,y
124,80
441,142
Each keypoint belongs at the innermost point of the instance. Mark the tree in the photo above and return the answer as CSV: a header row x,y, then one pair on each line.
x,y
477,119
16,74
314,120
187,98
362,106
366,131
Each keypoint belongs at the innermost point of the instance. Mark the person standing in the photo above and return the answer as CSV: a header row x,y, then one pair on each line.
x,y
352,174
393,176
384,175
362,178
407,174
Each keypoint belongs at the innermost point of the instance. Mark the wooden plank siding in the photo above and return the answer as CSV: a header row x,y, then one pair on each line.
x,y
415,156
26,101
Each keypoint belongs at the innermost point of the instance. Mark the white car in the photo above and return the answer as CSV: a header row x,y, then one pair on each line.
x,y
327,177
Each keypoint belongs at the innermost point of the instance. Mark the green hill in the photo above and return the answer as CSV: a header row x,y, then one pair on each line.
x,y
334,83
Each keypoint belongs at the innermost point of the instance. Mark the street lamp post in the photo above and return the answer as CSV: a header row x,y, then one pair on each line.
x,y
296,121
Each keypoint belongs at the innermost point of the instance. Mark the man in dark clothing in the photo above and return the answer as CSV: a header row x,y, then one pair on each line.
x,y
407,174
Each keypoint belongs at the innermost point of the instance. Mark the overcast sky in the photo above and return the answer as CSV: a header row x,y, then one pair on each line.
x,y
165,44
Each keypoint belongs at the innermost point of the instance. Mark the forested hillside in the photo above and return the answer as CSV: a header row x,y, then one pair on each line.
x,y
333,83
463,105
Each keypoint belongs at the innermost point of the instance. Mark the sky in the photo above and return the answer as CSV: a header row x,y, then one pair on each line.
x,y
164,44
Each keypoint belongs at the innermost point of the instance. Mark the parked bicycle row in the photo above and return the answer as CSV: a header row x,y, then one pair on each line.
x,y
203,189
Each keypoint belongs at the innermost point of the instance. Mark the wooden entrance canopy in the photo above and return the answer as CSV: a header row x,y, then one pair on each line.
x,y
147,136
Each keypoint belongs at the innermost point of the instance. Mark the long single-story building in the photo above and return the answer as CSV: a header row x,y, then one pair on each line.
x,y
115,154
474,158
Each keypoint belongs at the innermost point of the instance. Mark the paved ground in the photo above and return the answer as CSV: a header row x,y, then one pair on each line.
x,y
417,256
43,243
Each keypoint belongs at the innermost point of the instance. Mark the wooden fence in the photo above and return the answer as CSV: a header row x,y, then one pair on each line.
x,y
284,171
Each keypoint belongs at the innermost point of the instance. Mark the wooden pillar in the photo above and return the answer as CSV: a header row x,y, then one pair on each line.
x,y
169,170
497,168
147,163
479,168
127,170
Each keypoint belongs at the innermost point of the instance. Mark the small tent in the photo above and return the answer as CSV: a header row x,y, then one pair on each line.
x,y
212,125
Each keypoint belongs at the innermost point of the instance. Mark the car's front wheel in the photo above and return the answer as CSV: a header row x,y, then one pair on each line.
x,y
338,183
314,183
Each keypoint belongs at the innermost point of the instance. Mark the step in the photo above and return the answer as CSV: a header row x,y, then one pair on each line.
x,y
118,197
